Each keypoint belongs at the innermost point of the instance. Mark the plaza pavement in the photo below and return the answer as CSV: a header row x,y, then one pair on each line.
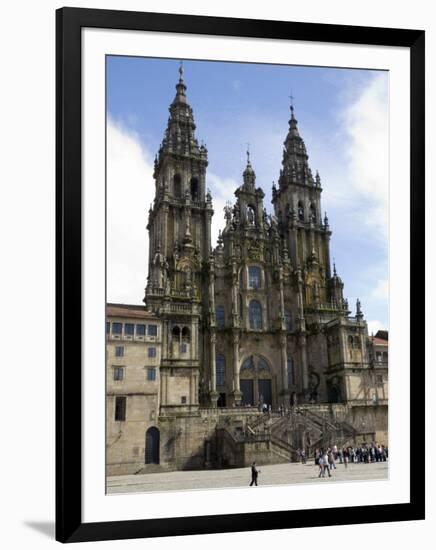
x,y
277,474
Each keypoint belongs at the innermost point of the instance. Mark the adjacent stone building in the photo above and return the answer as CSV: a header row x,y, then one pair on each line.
x,y
259,321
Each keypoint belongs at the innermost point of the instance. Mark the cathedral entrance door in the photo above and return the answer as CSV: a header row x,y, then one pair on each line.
x,y
265,391
247,392
255,381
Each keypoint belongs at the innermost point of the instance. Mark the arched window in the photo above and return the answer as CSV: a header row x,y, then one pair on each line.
x,y
251,216
176,333
248,364
291,373
152,438
312,213
220,316
300,211
194,189
177,181
254,276
262,364
186,334
220,369
255,315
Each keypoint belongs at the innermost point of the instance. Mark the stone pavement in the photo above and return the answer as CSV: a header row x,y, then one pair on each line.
x,y
277,474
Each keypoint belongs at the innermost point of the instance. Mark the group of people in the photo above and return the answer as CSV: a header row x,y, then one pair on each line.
x,y
326,459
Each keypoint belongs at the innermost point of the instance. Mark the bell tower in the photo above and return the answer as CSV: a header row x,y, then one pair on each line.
x,y
179,226
297,205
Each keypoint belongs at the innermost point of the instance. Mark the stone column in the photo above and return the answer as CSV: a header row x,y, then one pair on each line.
x,y
303,362
236,394
192,387
213,392
284,360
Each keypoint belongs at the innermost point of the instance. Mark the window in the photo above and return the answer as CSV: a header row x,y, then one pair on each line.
x,y
255,315
312,214
220,316
300,211
119,351
194,189
288,321
152,352
241,278
291,374
117,328
108,327
183,399
129,329
186,334
118,373
151,374
120,409
183,347
177,186
262,364
220,369
379,379
152,330
254,276
140,330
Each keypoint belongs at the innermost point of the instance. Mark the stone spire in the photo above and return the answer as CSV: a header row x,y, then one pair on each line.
x,y
295,166
249,175
179,135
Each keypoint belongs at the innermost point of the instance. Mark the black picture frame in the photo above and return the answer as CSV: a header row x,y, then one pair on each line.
x,y
69,22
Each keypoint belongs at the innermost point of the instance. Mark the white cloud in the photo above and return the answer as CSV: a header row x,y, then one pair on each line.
x,y
130,190
381,290
365,131
374,326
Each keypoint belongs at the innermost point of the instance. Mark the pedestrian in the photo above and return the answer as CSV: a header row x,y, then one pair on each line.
x,y
325,462
321,466
331,460
345,454
254,474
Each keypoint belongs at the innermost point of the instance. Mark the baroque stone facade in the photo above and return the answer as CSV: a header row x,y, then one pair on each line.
x,y
258,321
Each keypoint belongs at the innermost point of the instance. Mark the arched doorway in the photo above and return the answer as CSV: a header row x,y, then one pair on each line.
x,y
255,381
152,438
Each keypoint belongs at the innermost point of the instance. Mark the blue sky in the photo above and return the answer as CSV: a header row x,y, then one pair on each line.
x,y
342,116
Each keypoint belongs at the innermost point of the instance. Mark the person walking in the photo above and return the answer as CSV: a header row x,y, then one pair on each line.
x,y
320,461
254,474
331,460
346,455
325,461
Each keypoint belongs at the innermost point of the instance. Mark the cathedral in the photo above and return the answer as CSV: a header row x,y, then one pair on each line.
x,y
257,323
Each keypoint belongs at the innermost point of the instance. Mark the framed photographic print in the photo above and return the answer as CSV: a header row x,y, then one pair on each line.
x,y
240,264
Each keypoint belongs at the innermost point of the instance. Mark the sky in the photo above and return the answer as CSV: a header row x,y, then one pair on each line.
x,y
342,116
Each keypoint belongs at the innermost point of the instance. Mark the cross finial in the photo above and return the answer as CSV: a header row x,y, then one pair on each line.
x,y
181,70
291,97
